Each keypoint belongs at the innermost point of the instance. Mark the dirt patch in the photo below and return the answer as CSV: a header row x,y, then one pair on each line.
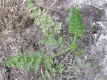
x,y
19,34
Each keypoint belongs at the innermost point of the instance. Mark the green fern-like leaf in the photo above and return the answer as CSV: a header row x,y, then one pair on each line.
x,y
73,46
59,40
42,77
45,22
25,59
48,63
35,64
75,23
22,60
49,39
37,59
60,68
78,52
29,61
57,28
53,72
12,61
48,75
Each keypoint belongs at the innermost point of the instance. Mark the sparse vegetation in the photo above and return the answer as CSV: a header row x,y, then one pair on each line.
x,y
50,29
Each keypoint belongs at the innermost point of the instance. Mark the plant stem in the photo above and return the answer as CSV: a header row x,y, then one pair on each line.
x,y
75,37
64,40
60,52
63,59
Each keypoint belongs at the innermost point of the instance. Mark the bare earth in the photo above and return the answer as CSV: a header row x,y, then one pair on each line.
x,y
19,34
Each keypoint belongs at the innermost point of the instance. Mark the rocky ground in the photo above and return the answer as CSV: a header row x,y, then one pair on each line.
x,y
19,34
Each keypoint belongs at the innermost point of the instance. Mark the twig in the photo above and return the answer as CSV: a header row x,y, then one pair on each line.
x,y
53,4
